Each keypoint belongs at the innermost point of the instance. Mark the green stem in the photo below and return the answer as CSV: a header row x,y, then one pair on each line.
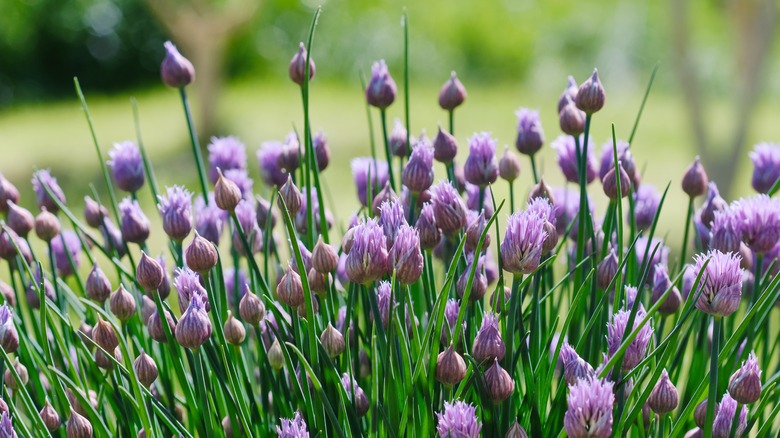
x,y
195,146
383,116
511,196
688,218
203,392
533,169
713,389
452,121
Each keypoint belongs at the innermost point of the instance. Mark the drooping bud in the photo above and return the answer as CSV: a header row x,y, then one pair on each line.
x,y
47,226
149,273
97,287
235,333
664,397
200,255
290,289
450,367
19,219
50,417
381,90
745,383
275,355
488,344
508,166
104,335
452,93
227,194
694,182
609,183
176,70
332,341
122,304
298,66
324,258
591,96
498,383
290,196
145,369
78,426
194,327
251,308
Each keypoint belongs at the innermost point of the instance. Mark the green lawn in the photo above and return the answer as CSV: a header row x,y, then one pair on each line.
x,y
56,136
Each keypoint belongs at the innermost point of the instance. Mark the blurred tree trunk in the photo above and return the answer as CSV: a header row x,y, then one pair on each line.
x,y
202,29
754,25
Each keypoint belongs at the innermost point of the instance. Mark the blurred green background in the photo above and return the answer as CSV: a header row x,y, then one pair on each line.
x,y
714,94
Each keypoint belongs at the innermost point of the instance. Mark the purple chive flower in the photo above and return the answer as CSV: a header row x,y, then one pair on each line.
x,y
530,135
381,90
290,155
488,344
656,251
242,180
268,160
589,414
567,158
187,282
225,153
472,200
451,310
417,175
726,232
702,233
6,428
574,367
397,140
176,70
760,219
721,282
711,205
43,178
624,157
448,208
391,218
67,242
521,249
617,329
127,166
726,411
364,168
479,283
452,94
458,419
351,386
367,259
646,203
481,167
567,207
292,428
135,224
745,383
405,255
384,301
766,166
247,217
209,219
176,210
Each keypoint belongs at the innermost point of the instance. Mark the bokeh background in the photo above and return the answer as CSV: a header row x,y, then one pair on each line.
x,y
715,94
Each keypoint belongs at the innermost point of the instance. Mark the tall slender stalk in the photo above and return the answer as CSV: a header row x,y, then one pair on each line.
x,y
196,153
713,388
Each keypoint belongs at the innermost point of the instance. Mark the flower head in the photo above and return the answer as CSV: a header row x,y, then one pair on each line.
x,y
726,231
720,284
759,216
365,171
566,148
6,428
405,255
209,219
417,175
135,224
530,135
381,90
448,208
452,93
176,210
521,249
458,419
589,414
766,166
646,203
481,168
41,180
726,411
616,331
385,301
225,153
367,259
745,383
66,247
268,160
127,166
391,218
187,282
488,343
293,428
176,70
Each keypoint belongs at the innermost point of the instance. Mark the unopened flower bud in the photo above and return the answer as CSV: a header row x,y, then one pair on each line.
x,y
145,369
381,90
571,119
498,383
227,194
695,180
508,166
700,413
332,341
298,66
321,151
94,213
324,258
47,226
50,417
516,431
122,304
200,255
607,270
251,308
194,327
104,335
450,367
488,344
97,287
609,183
745,383
430,235
235,333
155,326
275,355
21,371
290,289
149,273
8,192
78,426
445,146
664,397
315,304
452,93
19,219
591,96
264,213
290,197
385,195
541,190
176,70
104,361
317,282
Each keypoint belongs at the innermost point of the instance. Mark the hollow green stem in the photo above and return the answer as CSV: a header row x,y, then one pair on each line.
x,y
688,218
383,116
195,145
713,389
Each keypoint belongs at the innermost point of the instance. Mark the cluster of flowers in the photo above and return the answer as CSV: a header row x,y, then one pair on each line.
x,y
405,218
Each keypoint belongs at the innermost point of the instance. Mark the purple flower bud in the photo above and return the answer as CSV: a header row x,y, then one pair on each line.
x,y
225,153
759,217
194,327
478,284
187,282
176,210
451,310
646,203
458,419
97,287
766,166
67,243
176,70
498,383
290,197
397,140
616,330
452,93
591,96
350,387
20,219
122,304
521,249
385,302
290,154
624,157
662,283
430,235
609,183
135,224
268,160
745,383
365,171
664,397
567,159
448,208
321,151
78,426
450,367
209,219
149,273
8,192
574,367
657,252
474,231
720,284
481,168
726,234
607,269
472,200
569,93
391,218
94,213
508,166
571,120
381,90
298,66
49,416
530,136
694,181
367,259
417,175
41,180
127,166
9,337
292,428
712,204
541,190
405,255
590,404
727,410
445,146
488,344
